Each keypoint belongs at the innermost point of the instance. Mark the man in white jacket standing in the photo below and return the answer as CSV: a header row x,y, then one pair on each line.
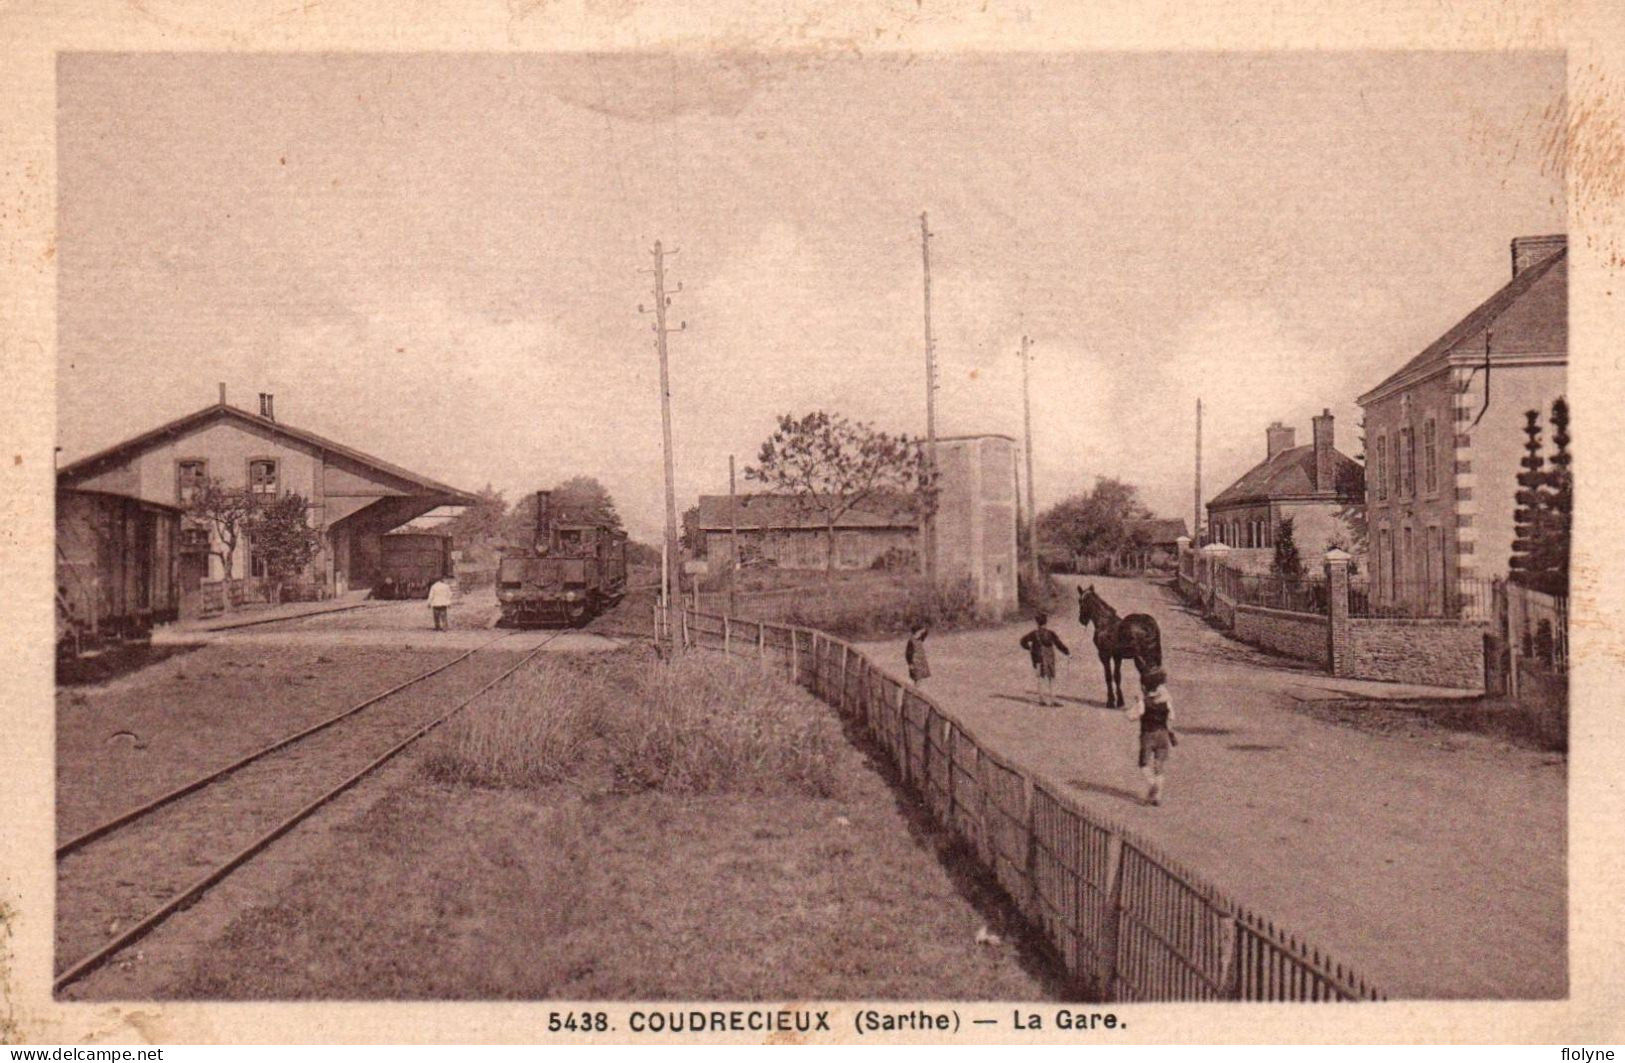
x,y
439,602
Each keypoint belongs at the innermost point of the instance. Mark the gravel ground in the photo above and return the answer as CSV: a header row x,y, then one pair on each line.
x,y
113,881
1432,861
126,742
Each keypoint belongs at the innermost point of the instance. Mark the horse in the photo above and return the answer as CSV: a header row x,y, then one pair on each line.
x,y
1134,636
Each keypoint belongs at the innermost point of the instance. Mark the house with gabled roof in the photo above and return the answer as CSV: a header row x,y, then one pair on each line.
x,y
1313,485
353,497
1444,435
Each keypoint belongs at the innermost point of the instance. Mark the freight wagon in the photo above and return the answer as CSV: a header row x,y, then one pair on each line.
x,y
116,567
408,562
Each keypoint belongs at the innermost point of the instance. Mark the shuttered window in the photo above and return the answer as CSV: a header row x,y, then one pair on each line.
x,y
1430,458
262,476
189,479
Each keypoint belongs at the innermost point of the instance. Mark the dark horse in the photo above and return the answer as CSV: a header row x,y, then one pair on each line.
x,y
1134,636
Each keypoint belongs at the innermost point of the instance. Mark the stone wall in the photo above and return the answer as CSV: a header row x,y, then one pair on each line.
x,y
1446,653
1299,635
1433,652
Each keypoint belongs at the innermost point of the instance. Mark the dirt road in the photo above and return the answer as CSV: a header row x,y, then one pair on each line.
x,y
1436,866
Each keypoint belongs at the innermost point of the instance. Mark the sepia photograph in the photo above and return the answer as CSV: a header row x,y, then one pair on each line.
x,y
995,538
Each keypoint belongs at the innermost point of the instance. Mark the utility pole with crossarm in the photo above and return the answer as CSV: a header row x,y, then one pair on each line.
x,y
662,303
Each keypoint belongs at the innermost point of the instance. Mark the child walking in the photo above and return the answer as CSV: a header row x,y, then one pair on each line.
x,y
914,655
1041,643
1155,711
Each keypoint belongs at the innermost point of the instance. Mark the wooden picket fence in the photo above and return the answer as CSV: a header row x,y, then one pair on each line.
x,y
1128,922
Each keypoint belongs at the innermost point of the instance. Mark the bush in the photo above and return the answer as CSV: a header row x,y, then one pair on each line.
x,y
700,724
707,724
898,608
899,559
1045,594
530,731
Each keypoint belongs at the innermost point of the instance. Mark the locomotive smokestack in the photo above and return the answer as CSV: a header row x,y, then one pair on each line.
x,y
544,520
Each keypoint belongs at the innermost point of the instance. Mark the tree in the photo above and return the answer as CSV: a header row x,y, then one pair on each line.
x,y
692,538
1530,519
1286,561
578,500
1543,520
1561,499
481,523
227,513
831,466
283,538
1095,523
583,500
1352,533
642,554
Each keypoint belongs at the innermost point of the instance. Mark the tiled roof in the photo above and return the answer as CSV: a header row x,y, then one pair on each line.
x,y
1157,531
1529,315
788,511
98,461
1291,474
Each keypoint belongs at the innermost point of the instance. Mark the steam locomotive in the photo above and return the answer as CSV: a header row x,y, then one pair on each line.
x,y
572,572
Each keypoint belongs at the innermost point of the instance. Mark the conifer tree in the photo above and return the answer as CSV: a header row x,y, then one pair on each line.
x,y
1286,561
1559,499
1530,518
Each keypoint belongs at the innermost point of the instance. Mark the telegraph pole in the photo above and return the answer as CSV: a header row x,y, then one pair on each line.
x,y
662,302
733,537
1196,526
1027,418
930,528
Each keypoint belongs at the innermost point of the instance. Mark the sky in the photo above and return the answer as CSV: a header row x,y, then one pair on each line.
x,y
438,258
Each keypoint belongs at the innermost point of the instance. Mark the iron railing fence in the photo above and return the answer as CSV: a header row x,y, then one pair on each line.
x,y
1294,594
1466,598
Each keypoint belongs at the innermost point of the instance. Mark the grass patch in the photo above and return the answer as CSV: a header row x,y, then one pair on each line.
x,y
700,724
875,606
753,854
1499,718
115,661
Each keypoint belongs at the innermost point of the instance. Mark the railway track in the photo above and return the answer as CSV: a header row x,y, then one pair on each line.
x,y
119,880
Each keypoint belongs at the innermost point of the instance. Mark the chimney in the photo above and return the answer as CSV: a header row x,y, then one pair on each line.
x,y
1280,438
1325,456
267,411
222,393
1532,250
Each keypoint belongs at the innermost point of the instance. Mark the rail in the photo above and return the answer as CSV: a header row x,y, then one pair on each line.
x,y
1128,922
219,871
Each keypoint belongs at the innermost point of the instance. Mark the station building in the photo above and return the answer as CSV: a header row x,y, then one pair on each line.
x,y
353,497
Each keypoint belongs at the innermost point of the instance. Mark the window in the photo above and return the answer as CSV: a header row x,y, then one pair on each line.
x,y
1385,564
262,476
1430,457
1410,462
1382,468
190,477
1405,459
